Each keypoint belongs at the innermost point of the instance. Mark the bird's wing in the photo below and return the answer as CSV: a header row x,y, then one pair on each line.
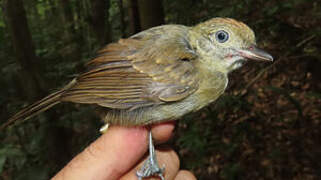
x,y
137,72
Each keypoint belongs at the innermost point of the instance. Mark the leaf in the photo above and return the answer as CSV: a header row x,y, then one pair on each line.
x,y
2,25
2,162
10,151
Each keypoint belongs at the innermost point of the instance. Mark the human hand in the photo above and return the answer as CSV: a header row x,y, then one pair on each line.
x,y
119,153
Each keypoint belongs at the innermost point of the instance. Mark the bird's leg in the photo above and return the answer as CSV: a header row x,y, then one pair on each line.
x,y
150,166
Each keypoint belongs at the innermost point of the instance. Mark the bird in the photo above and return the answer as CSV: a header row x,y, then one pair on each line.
x,y
158,75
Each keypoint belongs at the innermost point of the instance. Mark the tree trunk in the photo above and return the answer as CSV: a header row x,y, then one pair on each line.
x,y
67,18
99,20
122,18
134,17
151,13
24,48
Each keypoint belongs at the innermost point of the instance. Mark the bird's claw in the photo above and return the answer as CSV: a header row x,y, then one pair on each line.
x,y
149,170
150,166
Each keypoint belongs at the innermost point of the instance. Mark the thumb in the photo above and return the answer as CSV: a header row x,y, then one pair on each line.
x,y
109,157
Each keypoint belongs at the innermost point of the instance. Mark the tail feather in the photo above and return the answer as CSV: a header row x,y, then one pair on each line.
x,y
34,109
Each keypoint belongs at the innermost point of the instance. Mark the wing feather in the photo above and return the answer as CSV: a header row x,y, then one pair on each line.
x,y
146,69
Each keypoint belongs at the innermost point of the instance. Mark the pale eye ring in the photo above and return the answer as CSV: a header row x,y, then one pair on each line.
x,y
221,36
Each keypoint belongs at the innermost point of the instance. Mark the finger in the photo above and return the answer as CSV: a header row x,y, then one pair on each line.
x,y
166,158
162,132
109,157
185,175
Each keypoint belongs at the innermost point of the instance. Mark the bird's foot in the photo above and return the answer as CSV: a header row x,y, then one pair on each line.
x,y
150,166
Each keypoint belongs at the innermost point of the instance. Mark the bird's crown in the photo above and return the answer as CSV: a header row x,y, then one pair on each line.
x,y
226,30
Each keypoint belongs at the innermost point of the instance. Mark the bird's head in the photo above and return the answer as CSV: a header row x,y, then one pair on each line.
x,y
227,43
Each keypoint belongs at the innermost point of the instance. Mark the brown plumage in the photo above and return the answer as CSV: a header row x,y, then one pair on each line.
x,y
159,74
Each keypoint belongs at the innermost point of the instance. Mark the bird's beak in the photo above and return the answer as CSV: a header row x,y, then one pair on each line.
x,y
255,53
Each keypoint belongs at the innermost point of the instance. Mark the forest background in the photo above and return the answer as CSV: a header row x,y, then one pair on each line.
x,y
266,126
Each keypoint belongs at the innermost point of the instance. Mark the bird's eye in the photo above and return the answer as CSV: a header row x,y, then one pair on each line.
x,y
221,36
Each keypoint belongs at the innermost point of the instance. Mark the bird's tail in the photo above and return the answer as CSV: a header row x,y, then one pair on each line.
x,y
34,109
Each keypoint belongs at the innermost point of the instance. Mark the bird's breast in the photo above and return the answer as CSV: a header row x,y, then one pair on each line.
x,y
210,88
212,85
